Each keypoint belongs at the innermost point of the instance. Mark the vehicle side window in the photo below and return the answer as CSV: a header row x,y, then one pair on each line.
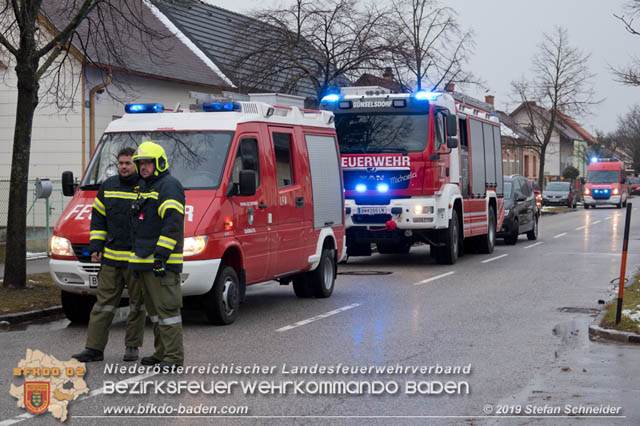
x,y
247,158
526,189
517,190
284,159
439,130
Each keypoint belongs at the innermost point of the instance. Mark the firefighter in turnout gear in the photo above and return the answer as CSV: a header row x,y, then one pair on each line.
x,y
111,244
158,226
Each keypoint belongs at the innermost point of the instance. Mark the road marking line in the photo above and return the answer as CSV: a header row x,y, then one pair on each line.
x,y
607,218
446,274
597,221
534,244
495,258
581,227
95,392
560,235
319,317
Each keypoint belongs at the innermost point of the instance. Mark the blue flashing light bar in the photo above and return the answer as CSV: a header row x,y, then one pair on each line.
x,y
143,108
221,106
382,187
332,97
426,96
361,187
594,159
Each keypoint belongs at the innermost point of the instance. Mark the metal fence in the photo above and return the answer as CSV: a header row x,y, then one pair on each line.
x,y
42,214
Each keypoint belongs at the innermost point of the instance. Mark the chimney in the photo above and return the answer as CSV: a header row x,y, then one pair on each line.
x,y
450,87
489,99
388,74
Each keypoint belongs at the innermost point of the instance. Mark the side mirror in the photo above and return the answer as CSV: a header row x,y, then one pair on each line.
x,y
68,187
247,182
452,126
452,142
521,198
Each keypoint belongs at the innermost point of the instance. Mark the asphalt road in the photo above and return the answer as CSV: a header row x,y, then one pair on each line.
x,y
500,314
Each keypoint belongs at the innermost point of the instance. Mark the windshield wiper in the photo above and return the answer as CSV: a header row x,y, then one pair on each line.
x,y
394,150
91,186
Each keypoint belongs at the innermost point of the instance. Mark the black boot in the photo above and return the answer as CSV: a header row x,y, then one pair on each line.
x,y
130,353
89,355
150,360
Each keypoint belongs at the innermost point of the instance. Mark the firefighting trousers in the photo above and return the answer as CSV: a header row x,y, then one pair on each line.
x,y
163,300
111,283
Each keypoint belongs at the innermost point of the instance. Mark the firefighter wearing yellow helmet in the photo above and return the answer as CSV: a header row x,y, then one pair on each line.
x,y
158,236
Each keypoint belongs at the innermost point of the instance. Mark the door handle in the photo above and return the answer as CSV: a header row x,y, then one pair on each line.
x,y
262,206
299,202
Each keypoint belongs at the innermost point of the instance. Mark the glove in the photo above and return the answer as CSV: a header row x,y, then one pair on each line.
x,y
158,268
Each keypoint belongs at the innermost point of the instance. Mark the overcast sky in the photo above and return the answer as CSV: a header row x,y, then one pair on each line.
x,y
507,33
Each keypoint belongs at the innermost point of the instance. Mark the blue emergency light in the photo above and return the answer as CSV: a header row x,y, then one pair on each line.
x,y
332,97
143,108
221,106
361,187
426,96
382,187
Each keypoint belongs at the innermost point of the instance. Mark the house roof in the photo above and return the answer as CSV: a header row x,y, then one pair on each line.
x,y
562,126
575,126
172,59
228,40
509,128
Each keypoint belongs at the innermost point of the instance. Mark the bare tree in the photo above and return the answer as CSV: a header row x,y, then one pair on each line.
x,y
317,44
629,74
624,142
427,46
561,84
38,38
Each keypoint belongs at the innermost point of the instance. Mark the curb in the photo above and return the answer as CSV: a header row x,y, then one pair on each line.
x,y
31,315
596,333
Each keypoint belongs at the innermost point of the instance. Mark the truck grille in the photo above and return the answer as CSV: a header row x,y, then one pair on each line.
x,y
82,252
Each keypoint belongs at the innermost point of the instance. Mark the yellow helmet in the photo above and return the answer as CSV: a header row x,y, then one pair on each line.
x,y
151,151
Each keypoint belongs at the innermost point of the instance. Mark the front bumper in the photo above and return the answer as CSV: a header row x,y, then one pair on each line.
x,y
73,276
400,211
555,201
613,200
507,227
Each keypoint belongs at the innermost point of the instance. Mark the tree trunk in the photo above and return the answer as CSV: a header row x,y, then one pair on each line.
x,y
541,182
15,258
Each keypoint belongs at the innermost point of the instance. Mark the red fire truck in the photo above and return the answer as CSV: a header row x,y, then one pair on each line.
x,y
422,167
264,201
606,183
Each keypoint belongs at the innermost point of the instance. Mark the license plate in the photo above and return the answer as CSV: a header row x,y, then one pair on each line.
x,y
93,281
372,210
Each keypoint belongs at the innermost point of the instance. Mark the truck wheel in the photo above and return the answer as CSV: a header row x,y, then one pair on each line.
x,y
358,249
76,307
487,242
586,206
533,234
512,238
323,277
222,302
448,254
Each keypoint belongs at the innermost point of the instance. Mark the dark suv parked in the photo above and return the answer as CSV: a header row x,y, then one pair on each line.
x,y
520,210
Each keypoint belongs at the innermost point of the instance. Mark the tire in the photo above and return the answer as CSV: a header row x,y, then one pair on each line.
x,y
77,308
302,286
222,302
586,206
448,254
486,243
323,278
358,249
512,238
533,234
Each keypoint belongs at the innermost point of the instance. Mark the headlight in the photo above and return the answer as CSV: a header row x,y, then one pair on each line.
x,y
586,191
506,212
615,191
417,209
61,246
194,245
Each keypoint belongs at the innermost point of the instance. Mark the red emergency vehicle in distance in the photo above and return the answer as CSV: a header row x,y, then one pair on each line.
x,y
606,183
264,201
411,176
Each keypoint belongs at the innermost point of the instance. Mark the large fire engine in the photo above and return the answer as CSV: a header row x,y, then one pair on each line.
x,y
422,167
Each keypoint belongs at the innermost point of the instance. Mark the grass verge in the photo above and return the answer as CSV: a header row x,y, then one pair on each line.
x,y
40,293
630,319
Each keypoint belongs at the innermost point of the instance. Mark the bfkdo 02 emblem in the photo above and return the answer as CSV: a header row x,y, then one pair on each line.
x,y
36,396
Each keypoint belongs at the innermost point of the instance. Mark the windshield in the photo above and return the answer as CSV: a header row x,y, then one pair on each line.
x,y
603,176
376,133
557,186
634,180
507,190
196,159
